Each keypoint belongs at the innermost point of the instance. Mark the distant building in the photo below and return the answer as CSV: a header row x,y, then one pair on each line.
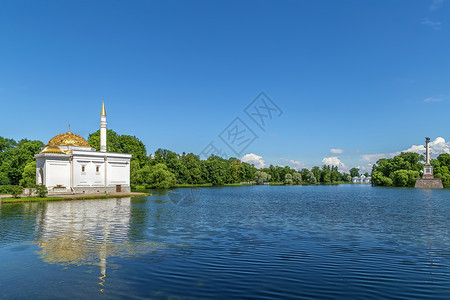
x,y
362,179
68,164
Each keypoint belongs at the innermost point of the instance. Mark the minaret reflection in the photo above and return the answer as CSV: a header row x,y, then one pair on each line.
x,y
87,232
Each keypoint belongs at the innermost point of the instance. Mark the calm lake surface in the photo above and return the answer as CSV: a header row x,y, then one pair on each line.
x,y
346,241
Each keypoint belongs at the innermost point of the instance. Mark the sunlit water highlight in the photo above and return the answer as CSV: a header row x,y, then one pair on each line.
x,y
347,241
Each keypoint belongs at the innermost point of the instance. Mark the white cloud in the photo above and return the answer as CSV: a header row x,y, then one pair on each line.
x,y
436,4
365,168
433,24
433,99
294,164
334,161
374,157
256,160
438,146
336,151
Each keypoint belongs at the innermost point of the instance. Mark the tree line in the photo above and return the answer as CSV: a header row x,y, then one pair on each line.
x,y
165,168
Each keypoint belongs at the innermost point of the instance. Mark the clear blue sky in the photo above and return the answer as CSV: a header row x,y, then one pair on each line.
x,y
365,77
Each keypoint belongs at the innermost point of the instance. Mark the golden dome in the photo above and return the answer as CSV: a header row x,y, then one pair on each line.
x,y
68,139
52,149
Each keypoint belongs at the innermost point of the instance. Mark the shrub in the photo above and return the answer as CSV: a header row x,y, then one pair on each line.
x,y
41,190
16,191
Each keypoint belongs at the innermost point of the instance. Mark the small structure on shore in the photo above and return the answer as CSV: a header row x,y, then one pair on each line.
x,y
362,179
69,165
428,181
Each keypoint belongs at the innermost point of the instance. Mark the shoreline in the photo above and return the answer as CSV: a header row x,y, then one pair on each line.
x,y
24,199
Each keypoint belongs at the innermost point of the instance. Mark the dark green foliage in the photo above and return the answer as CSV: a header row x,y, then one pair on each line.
x,y
159,177
16,191
354,172
14,156
7,189
401,170
29,175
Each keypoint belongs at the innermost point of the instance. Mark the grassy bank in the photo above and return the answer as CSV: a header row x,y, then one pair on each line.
x,y
74,197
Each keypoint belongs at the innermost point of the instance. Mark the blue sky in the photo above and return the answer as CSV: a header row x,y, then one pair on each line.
x,y
366,78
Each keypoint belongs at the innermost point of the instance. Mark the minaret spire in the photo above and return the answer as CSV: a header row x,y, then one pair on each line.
x,y
103,128
103,113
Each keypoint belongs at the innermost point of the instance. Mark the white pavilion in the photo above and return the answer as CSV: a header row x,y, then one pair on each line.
x,y
68,164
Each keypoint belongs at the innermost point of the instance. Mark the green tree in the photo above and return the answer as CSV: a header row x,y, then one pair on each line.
x,y
160,177
14,157
297,178
310,178
378,179
121,144
354,172
261,177
29,175
134,173
317,173
288,179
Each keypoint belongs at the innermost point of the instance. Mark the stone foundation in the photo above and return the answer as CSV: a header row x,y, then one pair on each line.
x,y
429,183
94,190
88,190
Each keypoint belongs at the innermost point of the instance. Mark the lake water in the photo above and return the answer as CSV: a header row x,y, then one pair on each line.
x,y
345,241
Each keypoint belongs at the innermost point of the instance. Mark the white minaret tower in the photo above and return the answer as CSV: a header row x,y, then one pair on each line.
x,y
103,128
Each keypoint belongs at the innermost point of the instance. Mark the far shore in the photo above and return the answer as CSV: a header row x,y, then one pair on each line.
x,y
25,198
200,185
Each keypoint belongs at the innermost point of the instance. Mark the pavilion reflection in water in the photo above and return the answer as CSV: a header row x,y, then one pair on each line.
x,y
87,232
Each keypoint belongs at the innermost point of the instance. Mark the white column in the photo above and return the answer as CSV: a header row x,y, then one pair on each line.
x,y
103,129
427,152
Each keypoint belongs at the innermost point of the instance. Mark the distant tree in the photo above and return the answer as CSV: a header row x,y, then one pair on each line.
x,y
297,178
311,178
159,177
317,173
378,179
261,177
288,179
346,177
354,172
217,170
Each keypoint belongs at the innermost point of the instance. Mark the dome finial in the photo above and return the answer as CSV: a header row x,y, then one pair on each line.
x,y
69,127
103,113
